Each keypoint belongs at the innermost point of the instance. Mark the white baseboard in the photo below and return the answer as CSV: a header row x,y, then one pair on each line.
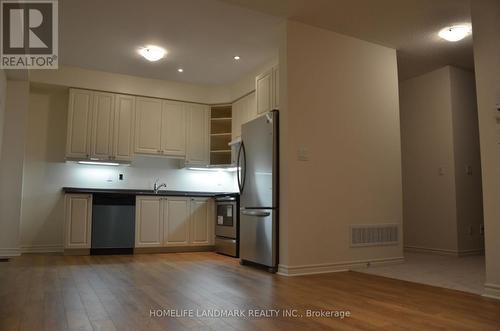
x,y
491,291
312,269
42,249
440,251
10,252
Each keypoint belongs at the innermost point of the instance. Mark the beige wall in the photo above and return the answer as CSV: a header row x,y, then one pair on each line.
x,y
342,107
468,193
3,87
442,203
11,166
486,26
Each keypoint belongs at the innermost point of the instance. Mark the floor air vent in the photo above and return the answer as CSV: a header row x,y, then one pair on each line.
x,y
374,235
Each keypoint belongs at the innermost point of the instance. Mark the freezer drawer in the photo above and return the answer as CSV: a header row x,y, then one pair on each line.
x,y
258,242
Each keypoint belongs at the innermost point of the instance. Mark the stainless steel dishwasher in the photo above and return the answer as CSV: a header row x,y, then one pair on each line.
x,y
113,224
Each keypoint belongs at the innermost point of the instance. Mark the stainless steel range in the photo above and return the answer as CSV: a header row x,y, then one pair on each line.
x,y
227,226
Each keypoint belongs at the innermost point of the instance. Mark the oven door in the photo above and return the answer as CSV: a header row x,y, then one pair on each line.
x,y
225,223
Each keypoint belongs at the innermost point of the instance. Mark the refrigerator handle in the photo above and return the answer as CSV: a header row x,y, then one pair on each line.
x,y
238,168
244,172
255,213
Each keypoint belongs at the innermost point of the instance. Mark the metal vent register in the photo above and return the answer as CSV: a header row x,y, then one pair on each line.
x,y
374,235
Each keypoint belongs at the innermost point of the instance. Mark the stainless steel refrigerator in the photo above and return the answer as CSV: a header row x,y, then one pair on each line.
x,y
258,183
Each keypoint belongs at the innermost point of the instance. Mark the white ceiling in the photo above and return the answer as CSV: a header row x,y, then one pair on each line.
x,y
410,26
201,36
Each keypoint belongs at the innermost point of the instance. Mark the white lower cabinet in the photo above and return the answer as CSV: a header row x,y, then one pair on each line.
x,y
78,220
201,224
174,221
148,222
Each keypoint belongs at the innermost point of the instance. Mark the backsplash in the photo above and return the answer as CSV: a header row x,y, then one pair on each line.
x,y
142,173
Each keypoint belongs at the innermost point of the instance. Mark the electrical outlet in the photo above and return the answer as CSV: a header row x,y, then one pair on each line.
x,y
120,176
303,154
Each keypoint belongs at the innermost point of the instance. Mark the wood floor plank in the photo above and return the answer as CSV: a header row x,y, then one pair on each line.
x,y
50,292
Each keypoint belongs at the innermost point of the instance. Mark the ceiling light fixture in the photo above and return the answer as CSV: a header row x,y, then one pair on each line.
x,y
236,57
180,70
456,32
152,53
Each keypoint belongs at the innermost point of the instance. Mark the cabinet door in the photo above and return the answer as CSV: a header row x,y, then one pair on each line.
x,y
173,129
236,121
276,87
78,219
201,225
176,221
148,126
123,147
79,123
148,222
264,92
251,107
198,135
102,125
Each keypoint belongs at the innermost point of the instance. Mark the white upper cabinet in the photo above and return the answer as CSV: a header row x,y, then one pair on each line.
x,y
102,126
173,129
276,87
176,221
110,126
267,90
79,124
237,118
198,135
264,91
123,147
243,110
148,125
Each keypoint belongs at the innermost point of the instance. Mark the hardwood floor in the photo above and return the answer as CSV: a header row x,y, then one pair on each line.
x,y
50,292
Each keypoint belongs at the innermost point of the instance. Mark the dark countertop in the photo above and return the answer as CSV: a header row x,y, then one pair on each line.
x,y
147,192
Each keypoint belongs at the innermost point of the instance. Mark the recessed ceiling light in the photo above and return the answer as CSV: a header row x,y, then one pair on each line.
x,y
236,57
456,32
152,53
180,70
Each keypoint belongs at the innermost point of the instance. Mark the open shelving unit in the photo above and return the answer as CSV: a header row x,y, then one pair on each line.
x,y
220,135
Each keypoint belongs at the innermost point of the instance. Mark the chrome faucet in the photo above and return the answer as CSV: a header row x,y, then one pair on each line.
x,y
157,187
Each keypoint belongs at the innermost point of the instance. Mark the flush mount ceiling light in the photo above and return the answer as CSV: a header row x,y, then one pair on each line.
x,y
152,53
236,57
180,70
456,32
